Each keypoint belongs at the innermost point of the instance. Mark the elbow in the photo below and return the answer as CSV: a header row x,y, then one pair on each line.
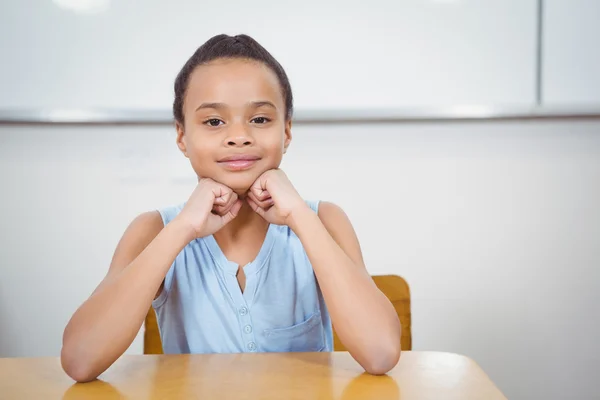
x,y
382,360
380,364
385,353
77,367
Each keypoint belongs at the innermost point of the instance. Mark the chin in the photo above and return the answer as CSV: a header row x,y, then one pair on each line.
x,y
239,183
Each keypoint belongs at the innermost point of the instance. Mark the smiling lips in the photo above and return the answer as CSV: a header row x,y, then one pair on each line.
x,y
238,162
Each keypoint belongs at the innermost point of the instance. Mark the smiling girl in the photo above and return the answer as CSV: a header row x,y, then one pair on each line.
x,y
245,264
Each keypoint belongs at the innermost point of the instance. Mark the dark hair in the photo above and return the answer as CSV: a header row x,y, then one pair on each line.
x,y
225,46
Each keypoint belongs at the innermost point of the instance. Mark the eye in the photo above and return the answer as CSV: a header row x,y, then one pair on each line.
x,y
261,120
214,122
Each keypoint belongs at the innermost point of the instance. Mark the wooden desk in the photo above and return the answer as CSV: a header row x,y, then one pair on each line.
x,y
419,375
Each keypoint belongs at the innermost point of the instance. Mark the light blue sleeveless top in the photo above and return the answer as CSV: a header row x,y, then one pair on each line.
x,y
203,310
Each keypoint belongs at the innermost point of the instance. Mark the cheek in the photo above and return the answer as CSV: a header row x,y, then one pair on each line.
x,y
275,150
275,140
201,154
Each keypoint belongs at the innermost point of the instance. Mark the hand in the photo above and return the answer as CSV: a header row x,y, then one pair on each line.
x,y
274,198
210,207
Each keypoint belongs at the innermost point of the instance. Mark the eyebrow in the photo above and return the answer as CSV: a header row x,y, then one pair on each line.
x,y
257,104
220,106
216,106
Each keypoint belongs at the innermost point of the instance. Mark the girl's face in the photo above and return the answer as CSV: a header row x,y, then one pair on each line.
x,y
235,126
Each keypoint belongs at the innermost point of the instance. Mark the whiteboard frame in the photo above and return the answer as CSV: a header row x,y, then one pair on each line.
x,y
454,113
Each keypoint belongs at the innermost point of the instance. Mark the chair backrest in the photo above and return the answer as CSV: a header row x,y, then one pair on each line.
x,y
394,287
152,343
396,290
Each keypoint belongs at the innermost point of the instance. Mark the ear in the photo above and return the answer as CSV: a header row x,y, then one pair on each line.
x,y
287,135
181,138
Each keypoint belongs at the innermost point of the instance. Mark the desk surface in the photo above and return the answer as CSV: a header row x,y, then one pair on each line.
x,y
418,375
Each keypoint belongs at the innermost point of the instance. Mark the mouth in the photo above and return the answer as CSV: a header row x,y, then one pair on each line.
x,y
238,162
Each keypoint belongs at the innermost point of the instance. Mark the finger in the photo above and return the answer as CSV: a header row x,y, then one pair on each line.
x,y
224,209
259,186
231,199
222,191
224,196
262,202
221,199
255,207
220,210
219,206
264,195
265,204
260,193
232,213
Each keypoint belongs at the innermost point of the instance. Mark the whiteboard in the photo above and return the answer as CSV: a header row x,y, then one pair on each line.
x,y
339,54
571,52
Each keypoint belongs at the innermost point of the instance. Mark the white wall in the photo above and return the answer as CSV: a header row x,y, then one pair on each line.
x,y
495,225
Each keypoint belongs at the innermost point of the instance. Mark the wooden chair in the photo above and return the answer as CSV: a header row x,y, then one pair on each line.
x,y
152,343
394,287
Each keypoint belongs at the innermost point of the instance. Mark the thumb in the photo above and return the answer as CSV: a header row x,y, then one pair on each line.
x,y
259,186
233,212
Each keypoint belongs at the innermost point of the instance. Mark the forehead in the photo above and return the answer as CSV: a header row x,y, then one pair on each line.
x,y
233,82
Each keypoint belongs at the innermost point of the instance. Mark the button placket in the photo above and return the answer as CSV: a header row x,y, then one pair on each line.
x,y
247,329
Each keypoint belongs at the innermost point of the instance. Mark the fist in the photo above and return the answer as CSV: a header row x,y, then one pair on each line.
x,y
210,207
274,198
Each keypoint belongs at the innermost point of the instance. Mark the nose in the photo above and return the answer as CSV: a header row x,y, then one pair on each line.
x,y
239,138
239,141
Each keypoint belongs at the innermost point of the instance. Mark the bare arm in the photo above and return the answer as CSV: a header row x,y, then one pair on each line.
x,y
106,324
364,318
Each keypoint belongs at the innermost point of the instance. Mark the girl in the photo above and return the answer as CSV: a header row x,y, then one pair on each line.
x,y
245,265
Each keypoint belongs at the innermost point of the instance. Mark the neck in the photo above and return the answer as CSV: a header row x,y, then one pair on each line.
x,y
246,222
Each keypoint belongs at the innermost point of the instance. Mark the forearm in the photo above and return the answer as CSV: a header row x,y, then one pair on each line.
x,y
107,323
364,318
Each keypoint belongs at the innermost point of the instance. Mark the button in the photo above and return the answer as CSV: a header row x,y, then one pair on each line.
x,y
243,311
248,329
251,346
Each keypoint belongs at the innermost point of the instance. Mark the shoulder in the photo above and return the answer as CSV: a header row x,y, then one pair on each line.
x,y
337,223
147,223
335,219
332,214
140,232
167,214
326,209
